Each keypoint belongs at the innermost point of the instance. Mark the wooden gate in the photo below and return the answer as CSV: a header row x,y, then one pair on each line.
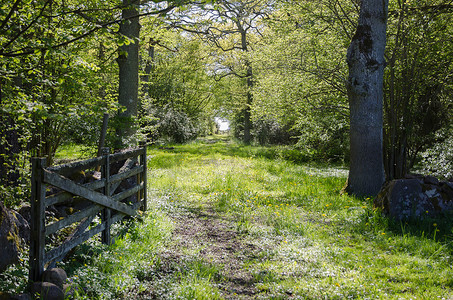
x,y
101,196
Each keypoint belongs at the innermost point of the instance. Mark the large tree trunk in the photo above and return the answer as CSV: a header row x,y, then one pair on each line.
x,y
365,92
128,62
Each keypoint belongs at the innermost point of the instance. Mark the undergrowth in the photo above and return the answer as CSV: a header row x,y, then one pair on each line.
x,y
309,241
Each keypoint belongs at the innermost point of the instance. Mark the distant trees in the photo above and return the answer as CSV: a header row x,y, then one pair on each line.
x,y
229,26
177,103
301,71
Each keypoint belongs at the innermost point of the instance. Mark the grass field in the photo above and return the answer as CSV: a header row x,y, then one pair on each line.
x,y
227,221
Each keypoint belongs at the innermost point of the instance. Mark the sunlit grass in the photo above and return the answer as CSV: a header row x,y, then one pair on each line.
x,y
325,245
311,242
74,152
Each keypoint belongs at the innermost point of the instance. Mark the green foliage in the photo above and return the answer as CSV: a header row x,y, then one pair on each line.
x,y
301,69
176,102
175,126
417,88
15,278
269,131
51,82
438,159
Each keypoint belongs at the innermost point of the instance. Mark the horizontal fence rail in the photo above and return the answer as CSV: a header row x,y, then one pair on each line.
x,y
103,196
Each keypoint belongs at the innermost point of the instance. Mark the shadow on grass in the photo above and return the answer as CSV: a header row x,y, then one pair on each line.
x,y
226,146
437,229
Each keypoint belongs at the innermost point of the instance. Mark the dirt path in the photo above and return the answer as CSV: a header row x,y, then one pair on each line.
x,y
215,240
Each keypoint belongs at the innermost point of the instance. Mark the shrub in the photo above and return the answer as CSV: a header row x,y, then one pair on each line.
x,y
438,160
176,126
270,131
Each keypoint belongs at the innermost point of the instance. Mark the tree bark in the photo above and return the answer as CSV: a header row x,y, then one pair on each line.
x,y
365,92
248,104
128,62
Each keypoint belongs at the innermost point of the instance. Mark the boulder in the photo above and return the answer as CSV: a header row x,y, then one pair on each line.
x,y
416,198
12,229
21,297
4,296
56,276
25,212
23,226
46,291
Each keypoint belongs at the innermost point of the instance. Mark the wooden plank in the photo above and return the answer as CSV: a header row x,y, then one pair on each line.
x,y
128,164
64,196
37,230
106,212
78,231
123,175
71,168
125,155
67,246
145,167
128,193
67,185
77,217
115,218
118,217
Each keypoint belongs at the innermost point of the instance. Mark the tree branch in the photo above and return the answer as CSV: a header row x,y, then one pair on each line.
x,y
441,8
12,10
29,50
29,25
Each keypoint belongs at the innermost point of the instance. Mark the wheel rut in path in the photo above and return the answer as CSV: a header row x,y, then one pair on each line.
x,y
215,240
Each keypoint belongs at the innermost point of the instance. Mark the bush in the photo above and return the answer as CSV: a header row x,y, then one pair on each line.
x,y
438,160
167,123
176,126
270,131
327,139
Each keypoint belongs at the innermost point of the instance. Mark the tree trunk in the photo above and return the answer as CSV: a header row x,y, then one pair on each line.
x,y
365,92
128,62
149,67
247,109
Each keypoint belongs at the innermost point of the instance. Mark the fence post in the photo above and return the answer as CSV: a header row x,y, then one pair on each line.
x,y
106,213
143,176
37,226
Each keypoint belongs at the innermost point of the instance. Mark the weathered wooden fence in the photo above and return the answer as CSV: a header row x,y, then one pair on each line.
x,y
101,195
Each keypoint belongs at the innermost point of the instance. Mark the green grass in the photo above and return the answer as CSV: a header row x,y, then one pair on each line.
x,y
322,244
283,231
74,152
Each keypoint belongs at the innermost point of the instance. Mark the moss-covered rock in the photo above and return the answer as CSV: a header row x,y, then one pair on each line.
x,y
416,197
9,239
14,232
